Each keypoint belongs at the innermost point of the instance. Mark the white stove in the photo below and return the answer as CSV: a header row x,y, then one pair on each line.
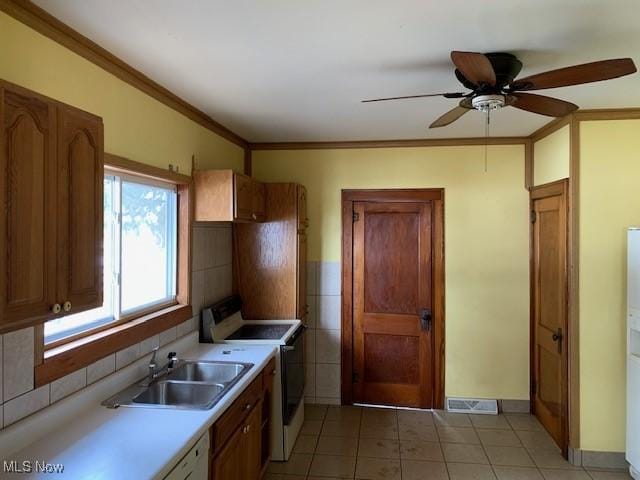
x,y
223,323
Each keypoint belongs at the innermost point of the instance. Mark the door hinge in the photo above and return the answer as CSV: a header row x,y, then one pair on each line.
x,y
355,377
534,216
356,216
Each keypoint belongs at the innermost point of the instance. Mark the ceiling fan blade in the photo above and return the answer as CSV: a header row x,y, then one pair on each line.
x,y
446,95
476,67
551,107
576,75
449,117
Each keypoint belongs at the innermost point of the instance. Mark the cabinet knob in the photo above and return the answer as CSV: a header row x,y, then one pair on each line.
x,y
66,306
56,308
247,406
254,216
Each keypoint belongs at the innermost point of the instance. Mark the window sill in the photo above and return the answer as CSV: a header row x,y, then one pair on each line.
x,y
72,356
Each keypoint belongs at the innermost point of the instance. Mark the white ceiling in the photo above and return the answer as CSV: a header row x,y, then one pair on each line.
x,y
296,70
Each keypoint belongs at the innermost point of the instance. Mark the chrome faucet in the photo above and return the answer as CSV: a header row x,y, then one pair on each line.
x,y
154,371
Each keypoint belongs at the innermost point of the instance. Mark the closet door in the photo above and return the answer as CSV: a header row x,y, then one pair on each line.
x,y
80,209
28,196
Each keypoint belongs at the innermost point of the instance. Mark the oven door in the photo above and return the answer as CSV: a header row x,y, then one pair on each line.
x,y
292,362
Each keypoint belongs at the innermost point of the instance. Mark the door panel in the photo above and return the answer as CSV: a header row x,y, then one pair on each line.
x,y
392,285
303,222
243,197
549,330
27,190
301,277
391,262
230,462
253,444
80,187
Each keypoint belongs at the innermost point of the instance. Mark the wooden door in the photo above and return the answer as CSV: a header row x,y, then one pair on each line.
x,y
252,444
392,301
243,207
230,462
80,209
549,360
28,193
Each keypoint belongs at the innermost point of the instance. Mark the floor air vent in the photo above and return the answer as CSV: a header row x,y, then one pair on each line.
x,y
471,405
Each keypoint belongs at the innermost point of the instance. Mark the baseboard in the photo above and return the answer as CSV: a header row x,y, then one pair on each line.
x,y
514,406
598,460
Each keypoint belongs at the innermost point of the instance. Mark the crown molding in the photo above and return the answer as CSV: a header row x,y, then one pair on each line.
x,y
439,142
46,24
608,114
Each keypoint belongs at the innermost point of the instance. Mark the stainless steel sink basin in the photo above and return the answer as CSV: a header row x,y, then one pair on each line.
x,y
207,372
180,394
194,385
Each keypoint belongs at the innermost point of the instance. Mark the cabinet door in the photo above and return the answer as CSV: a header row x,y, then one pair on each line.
x,y
301,280
230,462
28,196
80,208
303,221
243,199
258,201
252,444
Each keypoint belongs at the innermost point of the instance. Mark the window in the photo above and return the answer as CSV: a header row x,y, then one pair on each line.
x,y
140,239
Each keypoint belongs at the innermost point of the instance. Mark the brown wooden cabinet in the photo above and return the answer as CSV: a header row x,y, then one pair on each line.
x,y
226,196
240,449
270,257
51,159
80,208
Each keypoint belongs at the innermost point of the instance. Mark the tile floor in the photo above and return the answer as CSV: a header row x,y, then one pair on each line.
x,y
387,444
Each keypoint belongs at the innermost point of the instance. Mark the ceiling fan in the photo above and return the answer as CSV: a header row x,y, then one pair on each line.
x,y
491,77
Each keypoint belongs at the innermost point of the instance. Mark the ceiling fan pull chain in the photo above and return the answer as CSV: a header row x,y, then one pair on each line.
x,y
486,139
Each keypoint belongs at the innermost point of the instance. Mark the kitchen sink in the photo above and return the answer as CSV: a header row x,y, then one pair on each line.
x,y
192,385
208,372
180,394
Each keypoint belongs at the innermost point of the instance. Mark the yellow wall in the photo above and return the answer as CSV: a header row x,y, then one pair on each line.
x,y
135,125
551,157
486,242
609,203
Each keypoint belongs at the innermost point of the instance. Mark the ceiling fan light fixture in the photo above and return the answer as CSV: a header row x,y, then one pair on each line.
x,y
488,103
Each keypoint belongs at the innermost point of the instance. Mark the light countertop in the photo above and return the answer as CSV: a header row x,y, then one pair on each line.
x,y
137,443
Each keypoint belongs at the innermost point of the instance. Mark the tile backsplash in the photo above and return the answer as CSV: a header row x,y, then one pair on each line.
x,y
323,335
211,281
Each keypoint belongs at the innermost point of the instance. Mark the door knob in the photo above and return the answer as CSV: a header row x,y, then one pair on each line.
x,y
425,319
66,306
557,337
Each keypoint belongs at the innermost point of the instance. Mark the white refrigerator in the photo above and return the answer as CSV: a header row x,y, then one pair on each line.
x,y
633,351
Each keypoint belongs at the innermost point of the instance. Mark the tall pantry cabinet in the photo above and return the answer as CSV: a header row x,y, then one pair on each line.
x,y
270,257
51,183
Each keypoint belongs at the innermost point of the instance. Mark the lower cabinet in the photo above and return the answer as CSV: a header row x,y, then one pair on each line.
x,y
239,447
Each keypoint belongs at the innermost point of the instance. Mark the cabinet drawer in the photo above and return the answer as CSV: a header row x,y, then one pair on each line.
x,y
236,413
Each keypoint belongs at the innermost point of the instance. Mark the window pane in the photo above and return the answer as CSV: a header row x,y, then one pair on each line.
x,y
79,322
148,268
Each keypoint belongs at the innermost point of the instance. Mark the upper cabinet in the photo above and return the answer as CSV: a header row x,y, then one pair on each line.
x,y
271,257
226,196
80,209
51,192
